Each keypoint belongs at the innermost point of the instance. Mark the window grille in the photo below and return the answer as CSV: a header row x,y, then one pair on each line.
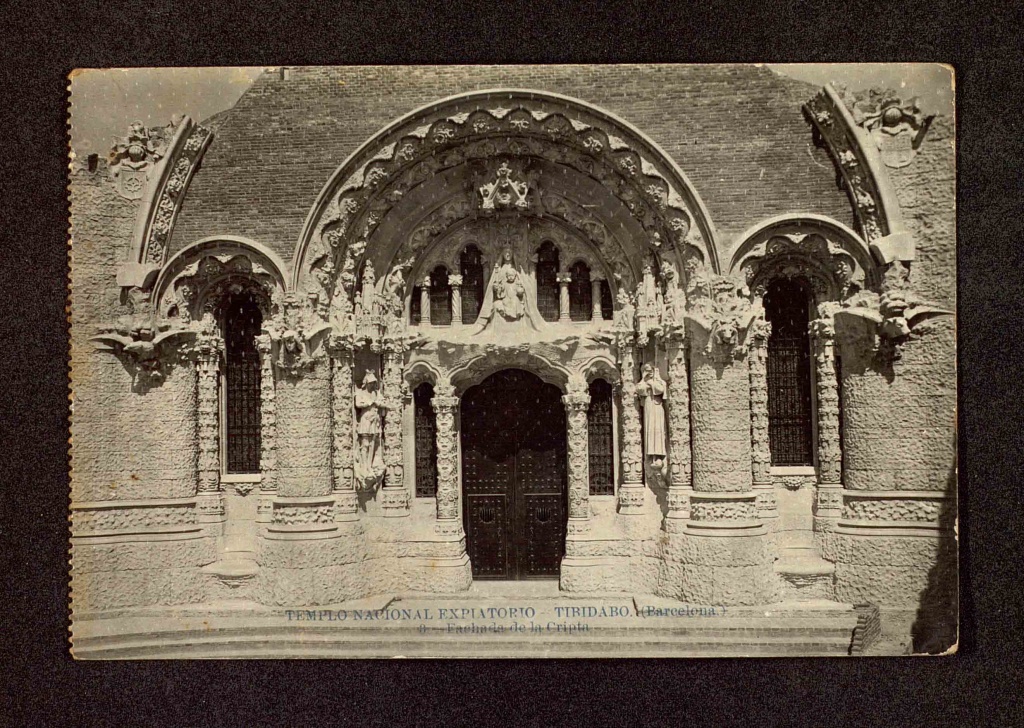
x,y
242,323
415,310
426,448
547,281
580,294
599,426
472,269
790,433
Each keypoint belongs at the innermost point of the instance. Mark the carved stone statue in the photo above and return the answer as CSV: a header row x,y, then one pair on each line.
x,y
624,312
651,391
370,462
510,298
504,192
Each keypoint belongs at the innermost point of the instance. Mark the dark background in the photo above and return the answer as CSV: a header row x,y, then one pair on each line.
x,y
39,682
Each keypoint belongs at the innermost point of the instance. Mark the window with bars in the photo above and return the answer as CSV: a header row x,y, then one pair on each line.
x,y
472,268
426,451
440,297
599,430
580,294
790,423
415,310
242,323
547,281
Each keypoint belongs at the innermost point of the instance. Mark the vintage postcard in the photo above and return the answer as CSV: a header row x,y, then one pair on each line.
x,y
513,361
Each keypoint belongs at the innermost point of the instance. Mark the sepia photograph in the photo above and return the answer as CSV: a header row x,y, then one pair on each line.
x,y
513,361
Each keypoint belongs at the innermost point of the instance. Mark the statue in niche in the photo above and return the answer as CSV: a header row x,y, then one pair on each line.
x,y
510,300
369,461
651,391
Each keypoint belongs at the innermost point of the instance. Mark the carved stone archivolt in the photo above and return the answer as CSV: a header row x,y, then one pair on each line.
x,y
833,272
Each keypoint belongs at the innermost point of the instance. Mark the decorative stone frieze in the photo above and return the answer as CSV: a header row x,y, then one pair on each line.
x,y
631,489
394,494
703,510
343,428
576,403
445,405
895,507
90,518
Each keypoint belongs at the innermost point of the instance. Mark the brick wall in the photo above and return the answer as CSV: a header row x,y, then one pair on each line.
x,y
736,131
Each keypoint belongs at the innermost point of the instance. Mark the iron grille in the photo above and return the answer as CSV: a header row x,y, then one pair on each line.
x,y
547,281
790,435
242,385
580,294
415,310
599,430
472,269
426,449
440,298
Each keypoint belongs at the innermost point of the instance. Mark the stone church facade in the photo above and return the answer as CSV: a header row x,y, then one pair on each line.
x,y
665,330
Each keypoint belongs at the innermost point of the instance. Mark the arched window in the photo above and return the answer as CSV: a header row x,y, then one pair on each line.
x,y
547,281
790,424
599,426
472,269
581,306
440,297
242,323
426,450
607,307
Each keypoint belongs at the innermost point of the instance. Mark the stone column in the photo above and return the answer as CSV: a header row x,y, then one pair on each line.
x,y
445,405
631,489
394,494
760,453
209,499
677,404
342,431
455,281
563,296
595,299
576,404
425,301
830,467
268,431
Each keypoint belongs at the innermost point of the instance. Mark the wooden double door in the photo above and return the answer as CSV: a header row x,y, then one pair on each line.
x,y
514,476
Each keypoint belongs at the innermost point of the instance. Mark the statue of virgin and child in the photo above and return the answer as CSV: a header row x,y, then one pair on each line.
x,y
510,299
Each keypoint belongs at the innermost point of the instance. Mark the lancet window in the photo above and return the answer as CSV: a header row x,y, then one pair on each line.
x,y
600,444
547,281
787,304
580,293
242,321
426,451
472,270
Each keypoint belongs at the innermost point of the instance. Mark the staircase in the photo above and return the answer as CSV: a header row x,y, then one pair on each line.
x,y
461,626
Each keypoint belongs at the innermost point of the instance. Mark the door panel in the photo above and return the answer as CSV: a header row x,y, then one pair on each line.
x,y
514,476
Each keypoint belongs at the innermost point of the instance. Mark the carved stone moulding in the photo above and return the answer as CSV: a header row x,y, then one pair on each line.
x,y
724,514
157,520
911,510
157,166
298,518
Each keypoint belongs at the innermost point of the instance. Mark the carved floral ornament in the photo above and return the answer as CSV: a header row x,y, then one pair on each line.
x,y
723,308
426,146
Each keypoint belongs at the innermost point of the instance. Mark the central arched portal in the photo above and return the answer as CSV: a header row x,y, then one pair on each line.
x,y
514,476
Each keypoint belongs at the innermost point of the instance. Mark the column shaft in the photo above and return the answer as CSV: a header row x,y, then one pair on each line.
x,y
425,302
448,521
677,402
455,281
210,501
394,495
342,435
631,490
576,404
563,296
595,299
